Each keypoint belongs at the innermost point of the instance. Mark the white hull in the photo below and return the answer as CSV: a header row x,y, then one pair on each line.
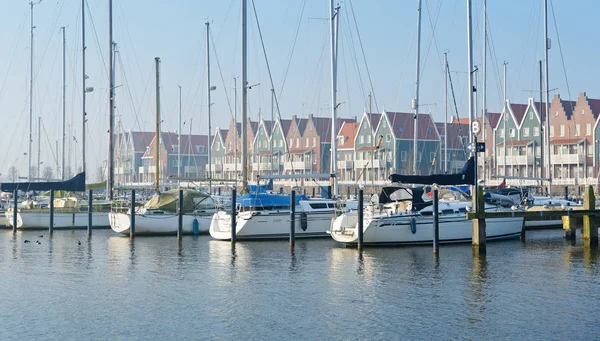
x,y
411,230
159,224
270,225
41,220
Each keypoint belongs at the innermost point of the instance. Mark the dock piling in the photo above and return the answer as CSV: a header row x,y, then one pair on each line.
x,y
90,210
180,215
360,218
51,225
132,227
436,222
293,218
589,232
15,202
233,214
479,234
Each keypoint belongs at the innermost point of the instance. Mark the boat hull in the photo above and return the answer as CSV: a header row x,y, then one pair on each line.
x,y
159,224
41,220
416,230
270,225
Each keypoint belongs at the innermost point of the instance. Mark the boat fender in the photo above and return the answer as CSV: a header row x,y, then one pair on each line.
x,y
195,227
413,225
303,221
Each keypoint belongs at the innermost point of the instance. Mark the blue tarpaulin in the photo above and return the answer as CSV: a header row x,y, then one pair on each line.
x,y
75,184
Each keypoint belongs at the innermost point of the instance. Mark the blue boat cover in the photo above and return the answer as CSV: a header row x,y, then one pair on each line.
x,y
267,200
75,184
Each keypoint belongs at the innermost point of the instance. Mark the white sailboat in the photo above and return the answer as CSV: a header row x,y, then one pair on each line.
x,y
267,215
404,215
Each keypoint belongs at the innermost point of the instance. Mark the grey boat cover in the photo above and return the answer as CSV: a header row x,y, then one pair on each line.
x,y
192,200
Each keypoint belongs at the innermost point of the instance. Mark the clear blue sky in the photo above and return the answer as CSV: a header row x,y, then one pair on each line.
x,y
175,31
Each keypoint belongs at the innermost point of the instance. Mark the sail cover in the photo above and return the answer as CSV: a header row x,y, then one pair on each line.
x,y
192,200
465,177
75,184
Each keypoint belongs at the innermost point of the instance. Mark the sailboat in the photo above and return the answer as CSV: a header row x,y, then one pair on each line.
x,y
403,215
265,215
70,211
159,216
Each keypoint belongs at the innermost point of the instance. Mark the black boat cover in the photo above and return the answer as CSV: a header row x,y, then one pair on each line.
x,y
465,177
75,184
414,195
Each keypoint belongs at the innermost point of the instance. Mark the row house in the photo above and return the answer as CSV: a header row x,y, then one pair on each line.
x,y
456,146
130,146
194,157
365,146
345,149
232,158
218,149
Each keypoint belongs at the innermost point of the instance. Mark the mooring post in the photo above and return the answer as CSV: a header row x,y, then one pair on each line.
x,y
293,218
51,226
219,190
15,203
590,227
566,192
355,192
348,193
360,219
479,236
180,214
233,214
329,194
132,227
313,190
436,222
89,227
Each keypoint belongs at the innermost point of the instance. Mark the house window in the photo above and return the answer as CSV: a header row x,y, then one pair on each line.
x,y
526,132
562,130
368,138
388,137
428,130
174,163
200,149
361,139
551,131
291,142
536,131
590,150
512,132
538,151
403,156
588,129
314,141
577,129
501,132
307,143
419,157
590,173
280,143
297,142
175,149
217,147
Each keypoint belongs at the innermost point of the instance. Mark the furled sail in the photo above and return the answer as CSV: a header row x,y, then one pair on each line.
x,y
465,177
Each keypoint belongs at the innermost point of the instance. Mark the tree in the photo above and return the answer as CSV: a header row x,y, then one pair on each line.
x,y
48,173
13,173
100,174
68,172
33,171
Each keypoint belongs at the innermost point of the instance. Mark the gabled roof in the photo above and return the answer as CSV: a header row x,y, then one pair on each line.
x,y
220,134
285,125
373,120
518,111
188,144
141,140
268,127
595,106
492,119
567,141
323,126
455,132
403,126
347,133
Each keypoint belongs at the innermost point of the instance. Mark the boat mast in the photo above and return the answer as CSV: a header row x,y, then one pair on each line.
x,y
157,145
272,129
111,112
484,94
179,140
39,138
208,90
334,15
470,83
445,112
541,124
415,103
83,47
64,89
546,47
235,132
505,112
244,100
31,4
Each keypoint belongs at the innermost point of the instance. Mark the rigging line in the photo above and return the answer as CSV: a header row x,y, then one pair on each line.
x,y
221,74
224,19
495,63
130,43
12,58
456,109
49,40
433,39
51,73
54,156
355,60
293,47
364,56
134,109
317,70
97,41
562,58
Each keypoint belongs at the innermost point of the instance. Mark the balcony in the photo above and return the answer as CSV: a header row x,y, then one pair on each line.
x,y
296,165
256,166
515,160
345,164
230,167
558,159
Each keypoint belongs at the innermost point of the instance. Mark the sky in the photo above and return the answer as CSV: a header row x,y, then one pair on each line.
x,y
377,55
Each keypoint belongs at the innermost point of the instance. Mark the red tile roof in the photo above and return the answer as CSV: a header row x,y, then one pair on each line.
x,y
348,133
567,141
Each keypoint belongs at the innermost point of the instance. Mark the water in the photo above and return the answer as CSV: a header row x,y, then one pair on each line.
x,y
111,288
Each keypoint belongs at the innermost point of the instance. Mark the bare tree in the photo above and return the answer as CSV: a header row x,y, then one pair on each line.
x,y
100,174
33,171
68,172
48,173
13,173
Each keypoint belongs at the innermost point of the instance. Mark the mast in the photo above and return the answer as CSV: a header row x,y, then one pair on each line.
x,y
244,100
484,92
546,47
157,158
505,112
31,4
272,129
541,125
39,138
445,112
470,82
208,90
64,80
84,76
179,139
235,132
334,15
415,103
111,112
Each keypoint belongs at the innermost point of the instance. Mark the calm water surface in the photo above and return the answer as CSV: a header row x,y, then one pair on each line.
x,y
112,288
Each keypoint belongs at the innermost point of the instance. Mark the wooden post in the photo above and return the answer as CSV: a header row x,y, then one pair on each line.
x,y
15,209
329,194
360,219
348,193
89,227
293,218
313,190
479,236
51,226
590,227
180,215
436,222
233,214
132,227
570,227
